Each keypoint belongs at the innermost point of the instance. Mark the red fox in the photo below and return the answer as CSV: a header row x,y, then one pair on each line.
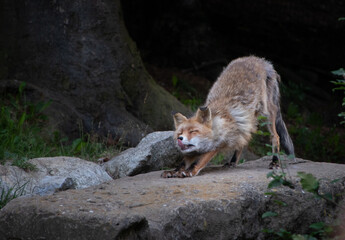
x,y
247,88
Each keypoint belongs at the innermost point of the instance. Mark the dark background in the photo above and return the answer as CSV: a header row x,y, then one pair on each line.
x,y
194,40
303,39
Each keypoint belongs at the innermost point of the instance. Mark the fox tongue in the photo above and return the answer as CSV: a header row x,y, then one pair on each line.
x,y
180,144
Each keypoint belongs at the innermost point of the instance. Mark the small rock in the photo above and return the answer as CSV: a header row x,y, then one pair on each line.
x,y
155,151
53,174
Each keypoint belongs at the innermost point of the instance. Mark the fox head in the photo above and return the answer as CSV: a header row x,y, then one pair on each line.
x,y
194,135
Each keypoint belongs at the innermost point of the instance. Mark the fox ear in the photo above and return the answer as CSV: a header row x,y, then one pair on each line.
x,y
203,115
178,119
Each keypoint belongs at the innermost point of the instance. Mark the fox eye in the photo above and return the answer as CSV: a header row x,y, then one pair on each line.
x,y
193,131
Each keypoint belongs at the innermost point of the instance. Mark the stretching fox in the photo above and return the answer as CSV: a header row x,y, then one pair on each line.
x,y
247,88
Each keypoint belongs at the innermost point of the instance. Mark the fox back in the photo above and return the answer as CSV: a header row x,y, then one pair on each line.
x,y
248,87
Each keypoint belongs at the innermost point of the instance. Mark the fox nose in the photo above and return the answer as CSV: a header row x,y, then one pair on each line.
x,y
180,138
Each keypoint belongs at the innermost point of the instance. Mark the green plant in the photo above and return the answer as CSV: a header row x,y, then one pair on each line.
x,y
308,182
319,231
184,92
218,159
91,148
294,91
7,194
261,136
23,136
311,184
312,139
19,122
340,83
278,180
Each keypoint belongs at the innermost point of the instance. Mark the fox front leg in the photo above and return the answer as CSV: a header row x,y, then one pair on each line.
x,y
195,168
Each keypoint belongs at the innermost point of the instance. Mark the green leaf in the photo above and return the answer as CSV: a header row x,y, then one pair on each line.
x,y
78,145
339,72
335,180
270,193
339,88
302,237
328,196
265,123
288,184
261,117
270,174
328,229
317,226
266,230
21,120
341,19
274,183
21,88
41,106
299,237
284,234
309,182
174,80
281,203
269,214
338,82
259,132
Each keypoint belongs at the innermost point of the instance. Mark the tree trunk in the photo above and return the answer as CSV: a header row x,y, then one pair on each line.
x,y
79,55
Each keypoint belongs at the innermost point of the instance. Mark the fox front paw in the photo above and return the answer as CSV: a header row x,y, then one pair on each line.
x,y
184,173
177,174
229,165
168,174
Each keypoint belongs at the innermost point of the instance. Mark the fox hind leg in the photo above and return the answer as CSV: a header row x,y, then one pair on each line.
x,y
235,159
275,142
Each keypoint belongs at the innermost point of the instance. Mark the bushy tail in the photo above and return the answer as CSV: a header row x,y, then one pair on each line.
x,y
272,82
285,139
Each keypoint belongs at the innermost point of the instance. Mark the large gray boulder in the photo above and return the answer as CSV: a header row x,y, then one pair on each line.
x,y
155,151
217,204
51,175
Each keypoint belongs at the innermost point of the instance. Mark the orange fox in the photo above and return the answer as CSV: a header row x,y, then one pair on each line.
x,y
247,88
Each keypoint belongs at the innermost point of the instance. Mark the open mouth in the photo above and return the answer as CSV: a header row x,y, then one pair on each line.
x,y
184,146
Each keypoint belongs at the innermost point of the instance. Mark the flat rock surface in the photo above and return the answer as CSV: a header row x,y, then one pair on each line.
x,y
218,204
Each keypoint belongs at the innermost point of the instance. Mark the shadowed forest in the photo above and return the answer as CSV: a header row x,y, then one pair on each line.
x,y
91,77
